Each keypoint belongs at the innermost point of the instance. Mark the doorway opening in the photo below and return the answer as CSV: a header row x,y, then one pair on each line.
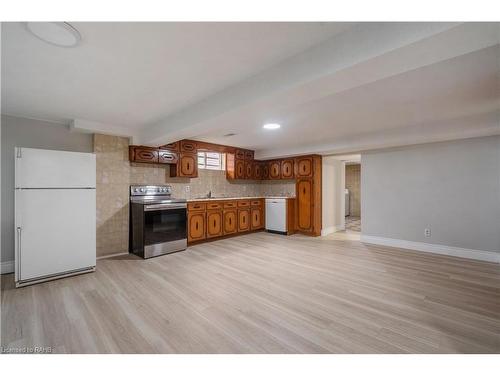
x,y
352,196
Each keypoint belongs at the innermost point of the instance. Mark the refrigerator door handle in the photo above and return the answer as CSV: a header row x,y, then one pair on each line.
x,y
19,250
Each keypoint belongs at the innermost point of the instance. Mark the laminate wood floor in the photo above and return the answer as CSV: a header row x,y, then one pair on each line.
x,y
264,293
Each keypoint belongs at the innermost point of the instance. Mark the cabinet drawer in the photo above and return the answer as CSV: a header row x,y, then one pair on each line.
x,y
230,204
243,203
214,206
256,202
196,206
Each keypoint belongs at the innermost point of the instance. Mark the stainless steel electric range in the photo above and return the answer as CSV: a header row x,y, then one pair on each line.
x,y
158,222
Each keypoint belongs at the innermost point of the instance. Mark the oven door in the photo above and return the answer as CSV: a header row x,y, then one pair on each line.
x,y
164,229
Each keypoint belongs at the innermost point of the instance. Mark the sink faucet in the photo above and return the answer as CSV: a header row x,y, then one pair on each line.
x,y
209,195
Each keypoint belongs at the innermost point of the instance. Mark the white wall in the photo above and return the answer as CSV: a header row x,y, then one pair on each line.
x,y
453,188
23,132
333,182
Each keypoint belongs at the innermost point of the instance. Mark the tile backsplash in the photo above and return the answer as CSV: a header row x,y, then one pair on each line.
x,y
115,174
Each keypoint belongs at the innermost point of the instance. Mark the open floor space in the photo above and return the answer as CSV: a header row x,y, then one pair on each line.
x,y
264,293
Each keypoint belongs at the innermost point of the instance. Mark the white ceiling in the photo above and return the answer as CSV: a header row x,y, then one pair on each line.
x,y
132,74
335,88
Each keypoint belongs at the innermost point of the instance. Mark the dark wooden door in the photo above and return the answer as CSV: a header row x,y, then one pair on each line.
x,y
304,166
214,223
144,154
196,226
188,165
304,204
230,222
257,218
274,170
243,220
249,170
287,169
257,170
265,171
240,169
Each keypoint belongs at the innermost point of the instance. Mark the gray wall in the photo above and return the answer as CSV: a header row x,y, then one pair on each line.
x,y
29,133
451,187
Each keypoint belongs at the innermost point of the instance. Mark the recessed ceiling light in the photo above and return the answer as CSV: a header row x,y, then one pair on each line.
x,y
60,34
272,126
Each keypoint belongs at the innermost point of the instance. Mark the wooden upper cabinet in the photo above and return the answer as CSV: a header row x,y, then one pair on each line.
x,y
287,170
188,146
239,154
175,146
265,170
243,219
304,204
304,165
167,157
257,170
239,169
249,154
257,218
214,223
274,170
196,226
186,167
230,221
249,170
143,154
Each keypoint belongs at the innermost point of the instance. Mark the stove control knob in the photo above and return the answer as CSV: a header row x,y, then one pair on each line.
x,y
135,190
142,190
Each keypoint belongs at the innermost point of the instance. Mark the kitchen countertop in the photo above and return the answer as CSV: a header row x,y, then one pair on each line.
x,y
234,198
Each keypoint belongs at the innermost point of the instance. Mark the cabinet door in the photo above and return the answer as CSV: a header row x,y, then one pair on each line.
x,y
167,157
274,170
287,169
196,226
240,169
249,170
265,171
249,154
239,154
214,223
304,204
144,154
188,146
257,218
257,171
243,220
188,165
230,222
304,166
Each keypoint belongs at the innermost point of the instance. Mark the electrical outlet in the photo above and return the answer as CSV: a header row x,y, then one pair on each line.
x,y
187,188
427,232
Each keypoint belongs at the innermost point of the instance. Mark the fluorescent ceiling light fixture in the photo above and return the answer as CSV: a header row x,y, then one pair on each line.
x,y
60,34
272,126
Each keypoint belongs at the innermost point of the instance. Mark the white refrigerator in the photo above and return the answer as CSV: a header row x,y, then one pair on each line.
x,y
55,214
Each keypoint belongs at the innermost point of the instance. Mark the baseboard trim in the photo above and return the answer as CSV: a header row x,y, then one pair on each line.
x,y
7,267
488,256
112,255
330,230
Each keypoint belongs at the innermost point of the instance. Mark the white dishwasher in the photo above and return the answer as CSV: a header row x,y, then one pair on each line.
x,y
276,215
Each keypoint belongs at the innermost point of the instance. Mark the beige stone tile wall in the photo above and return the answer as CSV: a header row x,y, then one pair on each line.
x,y
353,183
115,174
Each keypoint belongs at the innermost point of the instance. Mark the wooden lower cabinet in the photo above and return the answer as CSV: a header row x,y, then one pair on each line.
x,y
304,205
230,221
196,226
214,223
243,219
257,218
210,219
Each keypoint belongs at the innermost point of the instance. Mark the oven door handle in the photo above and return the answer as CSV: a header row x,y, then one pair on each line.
x,y
165,206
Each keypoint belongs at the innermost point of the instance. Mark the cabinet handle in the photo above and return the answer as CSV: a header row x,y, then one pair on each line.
x,y
214,223
196,225
19,249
